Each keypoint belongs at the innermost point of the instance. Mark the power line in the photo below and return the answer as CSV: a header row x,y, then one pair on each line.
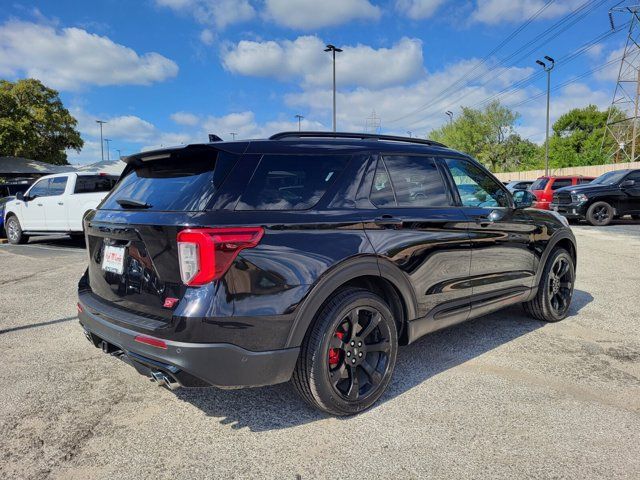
x,y
485,58
561,26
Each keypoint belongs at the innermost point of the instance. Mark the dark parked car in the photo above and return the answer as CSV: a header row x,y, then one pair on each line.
x,y
8,192
609,196
309,256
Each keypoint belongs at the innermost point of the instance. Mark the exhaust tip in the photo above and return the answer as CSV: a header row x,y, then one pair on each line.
x,y
165,380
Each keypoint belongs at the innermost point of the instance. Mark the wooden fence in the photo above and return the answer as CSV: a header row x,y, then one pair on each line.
x,y
589,171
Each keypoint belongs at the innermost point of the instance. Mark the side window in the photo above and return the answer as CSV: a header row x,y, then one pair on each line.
x,y
560,182
40,188
57,186
475,187
583,180
94,183
291,182
416,181
634,176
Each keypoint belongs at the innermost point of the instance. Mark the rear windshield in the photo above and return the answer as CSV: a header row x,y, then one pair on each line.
x,y
94,183
539,184
185,184
291,182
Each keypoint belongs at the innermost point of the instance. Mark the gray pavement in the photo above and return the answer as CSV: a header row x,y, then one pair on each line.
x,y
503,396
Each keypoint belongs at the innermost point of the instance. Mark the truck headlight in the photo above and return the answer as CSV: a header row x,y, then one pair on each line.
x,y
579,198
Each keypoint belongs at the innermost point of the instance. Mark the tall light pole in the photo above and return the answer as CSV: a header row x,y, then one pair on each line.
x,y
119,153
233,135
333,49
299,117
449,114
107,140
547,68
409,132
101,122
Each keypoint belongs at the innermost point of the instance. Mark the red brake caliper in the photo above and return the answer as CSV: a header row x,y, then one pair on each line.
x,y
334,353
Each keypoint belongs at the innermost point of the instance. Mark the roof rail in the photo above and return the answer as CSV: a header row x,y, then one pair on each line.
x,y
360,136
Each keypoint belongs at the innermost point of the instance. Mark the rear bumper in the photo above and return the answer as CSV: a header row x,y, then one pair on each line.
x,y
541,205
192,364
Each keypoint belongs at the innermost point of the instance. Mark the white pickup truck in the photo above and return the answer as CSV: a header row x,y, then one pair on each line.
x,y
55,204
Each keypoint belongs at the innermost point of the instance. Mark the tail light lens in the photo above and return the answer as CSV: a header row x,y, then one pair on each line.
x,y
205,254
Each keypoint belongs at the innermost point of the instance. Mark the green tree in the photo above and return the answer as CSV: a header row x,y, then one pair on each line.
x,y
577,138
489,136
34,123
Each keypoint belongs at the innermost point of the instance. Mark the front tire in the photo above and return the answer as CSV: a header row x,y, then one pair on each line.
x,y
555,291
348,355
14,231
600,214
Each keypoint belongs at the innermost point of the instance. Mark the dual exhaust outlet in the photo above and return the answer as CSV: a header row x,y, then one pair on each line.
x,y
165,380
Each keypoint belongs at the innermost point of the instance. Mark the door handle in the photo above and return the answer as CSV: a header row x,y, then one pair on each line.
x,y
60,203
388,221
39,204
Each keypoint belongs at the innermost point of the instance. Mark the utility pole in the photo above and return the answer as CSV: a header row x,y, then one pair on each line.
x,y
621,129
101,122
119,153
333,49
547,68
233,135
107,140
299,117
449,114
409,132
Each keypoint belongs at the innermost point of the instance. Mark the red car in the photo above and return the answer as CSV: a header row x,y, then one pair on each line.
x,y
544,187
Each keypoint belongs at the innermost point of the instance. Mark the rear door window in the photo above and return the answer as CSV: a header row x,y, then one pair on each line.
x,y
415,182
560,182
94,183
184,184
291,182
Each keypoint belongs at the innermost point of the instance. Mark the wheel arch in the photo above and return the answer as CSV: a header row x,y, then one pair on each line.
x,y
562,238
369,272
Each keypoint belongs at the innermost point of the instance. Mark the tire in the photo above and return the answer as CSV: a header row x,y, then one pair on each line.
x,y
14,231
635,217
600,214
333,350
555,291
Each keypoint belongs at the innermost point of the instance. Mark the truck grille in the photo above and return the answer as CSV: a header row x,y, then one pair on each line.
x,y
562,198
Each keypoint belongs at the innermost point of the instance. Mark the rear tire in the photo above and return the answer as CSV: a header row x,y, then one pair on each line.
x,y
600,214
555,291
14,231
348,355
635,217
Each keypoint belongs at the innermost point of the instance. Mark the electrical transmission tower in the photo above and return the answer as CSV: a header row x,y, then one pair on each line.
x,y
373,123
622,122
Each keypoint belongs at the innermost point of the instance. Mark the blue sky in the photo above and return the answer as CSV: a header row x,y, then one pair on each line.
x,y
163,72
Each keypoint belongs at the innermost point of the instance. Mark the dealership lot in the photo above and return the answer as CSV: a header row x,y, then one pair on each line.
x,y
499,396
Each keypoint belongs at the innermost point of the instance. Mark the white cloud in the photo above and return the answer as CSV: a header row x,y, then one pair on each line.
x,y
498,11
418,9
313,14
305,58
185,118
207,37
611,71
213,12
70,58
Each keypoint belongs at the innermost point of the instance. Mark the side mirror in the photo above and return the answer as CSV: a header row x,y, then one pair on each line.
x,y
628,183
20,196
523,198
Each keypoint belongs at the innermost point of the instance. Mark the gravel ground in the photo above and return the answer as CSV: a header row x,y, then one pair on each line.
x,y
502,396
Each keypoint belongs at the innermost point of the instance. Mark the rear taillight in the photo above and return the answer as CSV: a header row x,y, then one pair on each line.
x,y
205,254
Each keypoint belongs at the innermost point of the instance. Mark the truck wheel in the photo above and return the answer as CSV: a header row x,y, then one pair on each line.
x,y
555,291
14,231
600,214
635,217
348,355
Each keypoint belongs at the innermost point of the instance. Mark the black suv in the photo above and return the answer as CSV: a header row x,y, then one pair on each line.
x,y
609,196
309,256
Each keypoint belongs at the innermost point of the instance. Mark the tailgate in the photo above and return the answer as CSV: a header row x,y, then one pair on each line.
x,y
135,266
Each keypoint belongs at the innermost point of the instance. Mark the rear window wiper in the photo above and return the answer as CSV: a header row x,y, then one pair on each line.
x,y
130,203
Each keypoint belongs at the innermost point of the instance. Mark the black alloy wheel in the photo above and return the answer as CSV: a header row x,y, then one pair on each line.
x,y
555,291
348,355
358,355
600,214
